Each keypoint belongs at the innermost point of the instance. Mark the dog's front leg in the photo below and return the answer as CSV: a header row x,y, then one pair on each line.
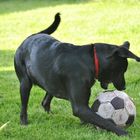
x,y
79,101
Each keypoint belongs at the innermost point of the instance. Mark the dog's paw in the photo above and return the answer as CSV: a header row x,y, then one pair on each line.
x,y
47,109
122,133
23,121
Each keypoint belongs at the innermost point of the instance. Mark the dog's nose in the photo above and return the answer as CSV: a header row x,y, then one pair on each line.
x,y
122,88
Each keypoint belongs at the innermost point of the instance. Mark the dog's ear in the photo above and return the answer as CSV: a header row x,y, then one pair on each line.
x,y
123,51
126,44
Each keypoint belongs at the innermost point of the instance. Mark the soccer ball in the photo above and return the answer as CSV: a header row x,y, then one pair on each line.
x,y
115,106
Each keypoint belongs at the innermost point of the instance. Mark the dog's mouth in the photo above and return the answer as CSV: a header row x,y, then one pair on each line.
x,y
104,85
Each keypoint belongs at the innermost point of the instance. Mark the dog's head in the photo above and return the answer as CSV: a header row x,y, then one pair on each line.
x,y
113,63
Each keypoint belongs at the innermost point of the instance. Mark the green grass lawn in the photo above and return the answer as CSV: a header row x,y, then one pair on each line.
x,y
83,22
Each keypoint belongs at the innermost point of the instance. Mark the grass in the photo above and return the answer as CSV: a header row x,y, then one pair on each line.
x,y
83,22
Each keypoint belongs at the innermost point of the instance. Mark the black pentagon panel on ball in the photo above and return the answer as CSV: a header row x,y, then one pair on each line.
x,y
95,106
117,103
130,120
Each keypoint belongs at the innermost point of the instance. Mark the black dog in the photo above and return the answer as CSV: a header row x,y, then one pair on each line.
x,y
68,71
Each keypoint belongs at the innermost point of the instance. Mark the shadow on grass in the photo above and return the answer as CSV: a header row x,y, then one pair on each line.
x,y
8,6
6,58
8,82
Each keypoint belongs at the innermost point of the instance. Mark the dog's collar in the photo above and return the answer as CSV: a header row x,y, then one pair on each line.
x,y
96,62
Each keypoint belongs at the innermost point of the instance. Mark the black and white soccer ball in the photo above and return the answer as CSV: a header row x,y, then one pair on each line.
x,y
115,106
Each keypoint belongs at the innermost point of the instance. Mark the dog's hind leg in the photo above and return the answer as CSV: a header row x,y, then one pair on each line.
x,y
25,87
46,102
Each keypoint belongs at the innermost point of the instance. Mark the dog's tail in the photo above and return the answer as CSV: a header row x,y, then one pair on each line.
x,y
53,26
